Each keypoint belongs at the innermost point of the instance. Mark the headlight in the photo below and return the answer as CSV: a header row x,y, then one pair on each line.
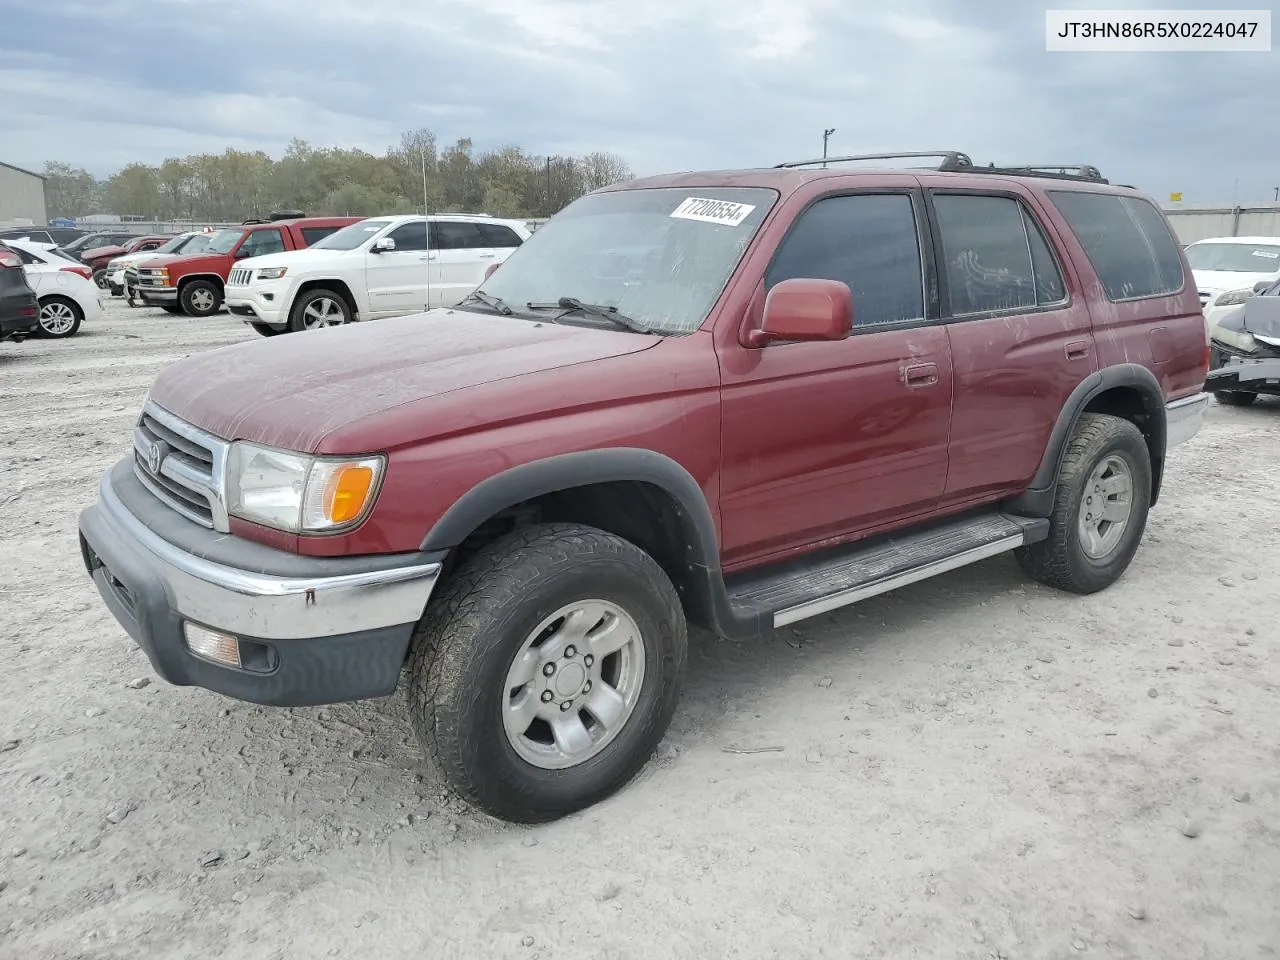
x,y
297,492
1233,297
271,273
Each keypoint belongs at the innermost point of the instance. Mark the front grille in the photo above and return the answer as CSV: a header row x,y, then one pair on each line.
x,y
182,466
239,277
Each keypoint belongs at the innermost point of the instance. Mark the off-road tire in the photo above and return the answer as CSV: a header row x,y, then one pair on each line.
x,y
471,632
297,323
189,292
1235,398
1061,561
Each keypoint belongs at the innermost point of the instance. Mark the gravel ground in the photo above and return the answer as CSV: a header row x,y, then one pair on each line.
x,y
973,767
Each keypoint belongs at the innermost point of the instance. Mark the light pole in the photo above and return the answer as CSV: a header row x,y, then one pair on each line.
x,y
826,135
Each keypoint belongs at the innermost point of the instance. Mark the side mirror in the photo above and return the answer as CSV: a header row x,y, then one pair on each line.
x,y
488,271
805,310
382,244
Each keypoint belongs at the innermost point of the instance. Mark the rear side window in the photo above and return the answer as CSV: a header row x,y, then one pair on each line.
x,y
995,257
312,234
496,235
451,235
1127,242
868,241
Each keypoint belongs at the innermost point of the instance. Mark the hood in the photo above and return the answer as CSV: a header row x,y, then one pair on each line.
x,y
292,391
194,261
296,258
97,253
129,258
1220,281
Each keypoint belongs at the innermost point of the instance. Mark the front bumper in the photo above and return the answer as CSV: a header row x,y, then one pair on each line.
x,y
1183,418
311,630
259,303
1243,374
157,294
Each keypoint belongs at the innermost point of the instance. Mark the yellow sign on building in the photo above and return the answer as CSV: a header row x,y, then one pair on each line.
x,y
1175,198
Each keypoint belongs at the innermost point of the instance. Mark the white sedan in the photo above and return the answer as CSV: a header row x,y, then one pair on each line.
x,y
65,288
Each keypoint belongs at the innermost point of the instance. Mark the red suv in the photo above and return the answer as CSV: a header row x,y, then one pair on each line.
x,y
733,399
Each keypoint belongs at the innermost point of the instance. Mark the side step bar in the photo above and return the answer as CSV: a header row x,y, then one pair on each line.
x,y
819,584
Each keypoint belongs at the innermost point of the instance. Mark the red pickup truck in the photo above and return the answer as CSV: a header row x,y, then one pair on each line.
x,y
730,399
194,284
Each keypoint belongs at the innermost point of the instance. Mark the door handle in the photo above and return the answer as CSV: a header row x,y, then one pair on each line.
x,y
916,375
1077,349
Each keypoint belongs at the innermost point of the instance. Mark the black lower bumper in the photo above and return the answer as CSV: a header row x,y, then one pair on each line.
x,y
143,592
1231,374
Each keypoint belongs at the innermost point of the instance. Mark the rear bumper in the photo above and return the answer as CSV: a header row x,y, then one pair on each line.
x,y
309,630
1184,417
18,326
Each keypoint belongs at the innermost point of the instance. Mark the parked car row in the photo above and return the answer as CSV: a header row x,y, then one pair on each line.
x,y
64,291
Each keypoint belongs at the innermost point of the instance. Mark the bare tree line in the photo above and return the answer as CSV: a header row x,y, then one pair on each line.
x,y
336,181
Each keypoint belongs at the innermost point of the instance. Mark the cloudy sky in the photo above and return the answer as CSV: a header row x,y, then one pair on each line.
x,y
667,84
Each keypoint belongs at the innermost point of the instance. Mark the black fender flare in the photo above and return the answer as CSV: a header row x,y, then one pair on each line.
x,y
708,597
1037,499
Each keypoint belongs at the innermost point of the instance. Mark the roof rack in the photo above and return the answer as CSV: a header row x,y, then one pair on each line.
x,y
951,159
1060,171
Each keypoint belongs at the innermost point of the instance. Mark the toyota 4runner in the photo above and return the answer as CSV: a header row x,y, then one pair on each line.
x,y
732,399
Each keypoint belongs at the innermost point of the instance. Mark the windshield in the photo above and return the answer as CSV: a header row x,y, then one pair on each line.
x,y
173,246
660,257
224,240
350,237
1234,257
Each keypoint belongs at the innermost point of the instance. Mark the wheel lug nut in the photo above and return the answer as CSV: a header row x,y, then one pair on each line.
x,y
546,696
588,659
586,687
570,651
549,669
566,705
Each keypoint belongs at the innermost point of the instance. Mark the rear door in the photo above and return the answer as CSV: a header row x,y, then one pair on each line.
x,y
1019,331
829,440
459,255
502,241
397,279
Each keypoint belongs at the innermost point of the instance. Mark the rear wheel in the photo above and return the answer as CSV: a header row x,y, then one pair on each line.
x,y
546,672
1235,398
59,318
1100,509
200,298
319,308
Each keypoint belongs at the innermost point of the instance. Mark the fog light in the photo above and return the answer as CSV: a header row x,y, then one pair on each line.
x,y
210,645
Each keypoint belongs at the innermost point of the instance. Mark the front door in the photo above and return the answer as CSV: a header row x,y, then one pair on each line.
x,y
397,279
1020,340
828,440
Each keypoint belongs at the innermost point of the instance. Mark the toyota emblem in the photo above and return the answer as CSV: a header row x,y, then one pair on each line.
x,y
155,457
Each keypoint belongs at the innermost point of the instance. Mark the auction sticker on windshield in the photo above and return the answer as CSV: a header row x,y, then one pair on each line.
x,y
713,211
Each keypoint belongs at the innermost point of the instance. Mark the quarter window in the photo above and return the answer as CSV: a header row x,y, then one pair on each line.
x,y
1127,242
868,241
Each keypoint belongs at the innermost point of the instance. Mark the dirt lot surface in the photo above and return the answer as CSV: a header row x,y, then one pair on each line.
x,y
973,767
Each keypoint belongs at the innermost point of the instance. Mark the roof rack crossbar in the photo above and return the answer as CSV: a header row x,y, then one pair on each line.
x,y
950,159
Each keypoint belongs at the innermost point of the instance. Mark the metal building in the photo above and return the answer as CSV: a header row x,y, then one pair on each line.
x,y
1199,223
21,196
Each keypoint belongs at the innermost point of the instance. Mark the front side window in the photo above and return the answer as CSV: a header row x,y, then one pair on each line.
x,y
868,241
410,236
659,256
1128,243
262,242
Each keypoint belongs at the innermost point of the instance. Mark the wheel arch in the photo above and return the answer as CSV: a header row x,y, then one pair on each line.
x,y
337,285
191,277
1126,390
41,299
640,495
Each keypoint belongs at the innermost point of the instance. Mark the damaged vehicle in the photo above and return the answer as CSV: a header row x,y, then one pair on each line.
x,y
1244,356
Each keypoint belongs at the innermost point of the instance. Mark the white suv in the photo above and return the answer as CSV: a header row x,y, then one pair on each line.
x,y
379,267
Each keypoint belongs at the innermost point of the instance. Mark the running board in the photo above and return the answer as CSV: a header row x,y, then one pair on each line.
x,y
816,585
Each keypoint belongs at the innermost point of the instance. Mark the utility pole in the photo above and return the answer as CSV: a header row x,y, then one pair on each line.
x,y
1277,189
826,135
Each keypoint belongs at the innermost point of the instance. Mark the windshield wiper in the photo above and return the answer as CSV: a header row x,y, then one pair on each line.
x,y
600,311
490,301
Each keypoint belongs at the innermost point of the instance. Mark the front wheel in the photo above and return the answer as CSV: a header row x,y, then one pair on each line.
x,y
1100,509
59,318
545,674
200,298
1235,398
316,309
